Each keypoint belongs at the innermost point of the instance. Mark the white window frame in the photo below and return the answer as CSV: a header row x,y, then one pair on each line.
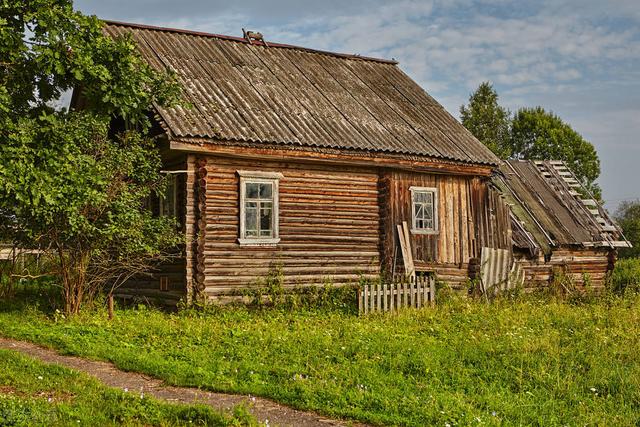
x,y
272,178
414,229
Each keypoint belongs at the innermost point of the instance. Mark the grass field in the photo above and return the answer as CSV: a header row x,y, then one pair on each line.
x,y
37,394
526,361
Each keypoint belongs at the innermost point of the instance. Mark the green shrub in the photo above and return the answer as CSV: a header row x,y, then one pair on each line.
x,y
625,278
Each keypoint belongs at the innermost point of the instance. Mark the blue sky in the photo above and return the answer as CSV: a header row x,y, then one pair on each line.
x,y
578,58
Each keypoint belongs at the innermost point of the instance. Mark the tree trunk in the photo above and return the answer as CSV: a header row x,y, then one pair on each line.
x,y
110,306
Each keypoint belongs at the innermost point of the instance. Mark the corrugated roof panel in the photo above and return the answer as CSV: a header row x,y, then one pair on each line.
x,y
288,95
547,210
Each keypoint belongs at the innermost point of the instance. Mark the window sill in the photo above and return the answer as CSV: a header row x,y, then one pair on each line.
x,y
431,232
259,242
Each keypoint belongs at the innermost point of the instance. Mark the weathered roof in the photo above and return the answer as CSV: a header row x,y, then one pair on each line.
x,y
551,208
282,94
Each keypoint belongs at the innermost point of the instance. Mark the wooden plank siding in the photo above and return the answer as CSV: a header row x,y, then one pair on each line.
x,y
328,221
470,216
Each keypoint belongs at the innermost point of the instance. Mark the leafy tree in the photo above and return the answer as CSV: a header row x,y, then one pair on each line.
x,y
532,133
487,120
540,135
628,217
67,183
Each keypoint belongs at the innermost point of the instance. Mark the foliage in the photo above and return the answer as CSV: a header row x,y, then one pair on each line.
x,y
628,217
36,394
524,360
532,134
540,135
625,278
69,184
487,120
271,293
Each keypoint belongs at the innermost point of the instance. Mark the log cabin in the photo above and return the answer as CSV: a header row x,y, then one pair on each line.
x,y
308,161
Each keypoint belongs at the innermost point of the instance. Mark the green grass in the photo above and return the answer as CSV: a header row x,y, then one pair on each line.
x,y
37,394
522,362
626,276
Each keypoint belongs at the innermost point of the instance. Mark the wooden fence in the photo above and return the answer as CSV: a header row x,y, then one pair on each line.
x,y
411,291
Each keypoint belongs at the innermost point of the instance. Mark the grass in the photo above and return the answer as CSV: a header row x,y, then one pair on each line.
x,y
522,361
37,394
626,276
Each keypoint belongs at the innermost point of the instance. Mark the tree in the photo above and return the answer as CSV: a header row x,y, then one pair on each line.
x,y
628,217
487,120
68,184
540,135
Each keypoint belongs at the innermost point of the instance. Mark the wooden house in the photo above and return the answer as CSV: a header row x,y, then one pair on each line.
x,y
307,161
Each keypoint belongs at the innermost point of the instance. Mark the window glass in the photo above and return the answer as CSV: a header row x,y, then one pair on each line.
x,y
259,201
168,202
423,209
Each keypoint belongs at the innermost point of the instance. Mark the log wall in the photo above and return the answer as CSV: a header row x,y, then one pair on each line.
x,y
576,264
329,222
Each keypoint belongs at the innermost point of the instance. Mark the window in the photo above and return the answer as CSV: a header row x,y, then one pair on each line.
x,y
424,210
259,208
168,199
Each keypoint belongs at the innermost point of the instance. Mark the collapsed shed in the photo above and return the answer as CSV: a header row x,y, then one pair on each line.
x,y
558,228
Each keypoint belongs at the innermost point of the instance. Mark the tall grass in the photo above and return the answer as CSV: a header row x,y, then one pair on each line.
x,y
626,276
520,360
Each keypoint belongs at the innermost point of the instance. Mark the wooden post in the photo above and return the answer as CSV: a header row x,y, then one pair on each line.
x,y
372,301
110,306
385,289
411,286
365,299
404,292
359,301
432,290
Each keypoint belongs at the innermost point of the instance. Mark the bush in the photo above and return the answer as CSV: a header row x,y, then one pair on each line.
x,y
625,278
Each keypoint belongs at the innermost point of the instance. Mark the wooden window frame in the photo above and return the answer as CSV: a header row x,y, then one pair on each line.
x,y
434,191
272,178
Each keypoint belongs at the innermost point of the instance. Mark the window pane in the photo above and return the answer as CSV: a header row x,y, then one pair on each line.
x,y
258,209
252,190
428,212
417,210
266,216
423,210
251,219
266,191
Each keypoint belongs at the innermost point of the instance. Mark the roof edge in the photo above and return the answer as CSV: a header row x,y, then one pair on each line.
x,y
315,153
243,40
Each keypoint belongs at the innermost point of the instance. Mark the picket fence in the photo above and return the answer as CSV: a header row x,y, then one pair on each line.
x,y
411,291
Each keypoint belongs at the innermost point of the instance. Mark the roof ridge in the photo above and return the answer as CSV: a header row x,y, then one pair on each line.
x,y
243,40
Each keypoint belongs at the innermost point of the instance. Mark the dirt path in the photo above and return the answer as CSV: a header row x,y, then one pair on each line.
x,y
263,409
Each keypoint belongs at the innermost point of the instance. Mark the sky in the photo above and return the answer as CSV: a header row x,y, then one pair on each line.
x,y
577,58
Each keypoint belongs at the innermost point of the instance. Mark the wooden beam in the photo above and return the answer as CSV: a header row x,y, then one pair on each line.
x,y
365,159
